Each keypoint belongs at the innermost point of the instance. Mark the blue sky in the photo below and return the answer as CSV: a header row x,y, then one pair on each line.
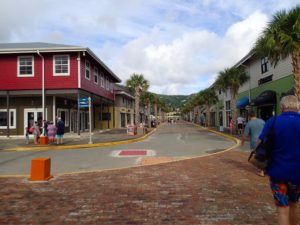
x,y
179,46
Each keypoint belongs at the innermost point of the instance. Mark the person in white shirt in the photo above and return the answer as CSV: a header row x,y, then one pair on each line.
x,y
240,123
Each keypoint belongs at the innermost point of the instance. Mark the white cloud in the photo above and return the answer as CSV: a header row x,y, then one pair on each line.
x,y
178,45
191,57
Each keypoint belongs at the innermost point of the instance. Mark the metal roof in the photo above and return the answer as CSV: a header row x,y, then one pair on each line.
x,y
33,47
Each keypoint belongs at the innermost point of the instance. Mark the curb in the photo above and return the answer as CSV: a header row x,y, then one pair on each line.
x,y
82,145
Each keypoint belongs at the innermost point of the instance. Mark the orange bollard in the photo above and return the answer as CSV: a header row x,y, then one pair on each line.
x,y
40,169
44,140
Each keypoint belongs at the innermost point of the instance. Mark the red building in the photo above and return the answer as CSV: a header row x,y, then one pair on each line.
x,y
45,81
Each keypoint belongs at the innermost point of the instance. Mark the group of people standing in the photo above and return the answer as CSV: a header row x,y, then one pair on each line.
x,y
284,168
49,129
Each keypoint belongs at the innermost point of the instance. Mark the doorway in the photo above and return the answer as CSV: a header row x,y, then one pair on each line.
x,y
32,115
123,120
73,121
266,112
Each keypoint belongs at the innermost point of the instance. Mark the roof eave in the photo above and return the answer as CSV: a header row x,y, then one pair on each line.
x,y
244,59
124,93
33,50
102,64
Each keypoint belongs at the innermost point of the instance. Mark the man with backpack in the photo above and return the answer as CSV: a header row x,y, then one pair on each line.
x,y
284,168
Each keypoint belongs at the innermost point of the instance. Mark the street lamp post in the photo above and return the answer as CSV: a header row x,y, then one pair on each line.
x,y
43,86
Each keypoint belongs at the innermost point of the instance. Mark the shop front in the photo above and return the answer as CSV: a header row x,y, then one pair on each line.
x,y
265,104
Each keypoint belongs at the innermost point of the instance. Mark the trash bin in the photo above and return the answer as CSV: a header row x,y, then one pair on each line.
x,y
221,129
131,130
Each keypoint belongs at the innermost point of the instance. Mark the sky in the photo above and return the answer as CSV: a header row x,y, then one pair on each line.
x,y
179,46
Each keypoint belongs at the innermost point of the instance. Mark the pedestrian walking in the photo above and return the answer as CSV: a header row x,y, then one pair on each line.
x,y
240,124
284,169
51,132
60,131
252,130
45,126
27,135
36,132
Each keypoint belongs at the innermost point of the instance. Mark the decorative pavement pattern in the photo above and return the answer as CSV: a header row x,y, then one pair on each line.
x,y
218,189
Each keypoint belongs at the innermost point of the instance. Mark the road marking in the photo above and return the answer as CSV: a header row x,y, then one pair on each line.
x,y
133,153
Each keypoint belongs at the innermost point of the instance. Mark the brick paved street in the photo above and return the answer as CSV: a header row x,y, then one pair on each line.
x,y
218,189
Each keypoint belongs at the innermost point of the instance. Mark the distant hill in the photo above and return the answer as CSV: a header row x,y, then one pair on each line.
x,y
173,101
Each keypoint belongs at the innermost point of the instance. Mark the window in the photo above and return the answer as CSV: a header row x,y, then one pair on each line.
x,y
107,84
102,80
111,87
3,118
264,64
87,70
228,113
61,65
96,75
227,103
64,115
25,66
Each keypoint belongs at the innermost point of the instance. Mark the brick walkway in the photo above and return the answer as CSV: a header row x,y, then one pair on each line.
x,y
219,189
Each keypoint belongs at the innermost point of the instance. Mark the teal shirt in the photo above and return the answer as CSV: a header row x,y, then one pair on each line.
x,y
254,129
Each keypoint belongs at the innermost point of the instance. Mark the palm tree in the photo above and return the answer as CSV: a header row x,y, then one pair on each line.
x,y
160,105
208,97
147,98
137,84
280,39
188,106
232,78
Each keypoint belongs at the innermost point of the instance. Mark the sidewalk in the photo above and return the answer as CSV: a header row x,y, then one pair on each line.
x,y
214,190
70,139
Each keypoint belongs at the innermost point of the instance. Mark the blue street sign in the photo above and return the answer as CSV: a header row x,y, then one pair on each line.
x,y
83,102
83,105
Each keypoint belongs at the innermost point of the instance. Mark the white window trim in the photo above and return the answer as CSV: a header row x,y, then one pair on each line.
x,y
87,68
61,74
102,80
59,110
15,118
96,74
27,75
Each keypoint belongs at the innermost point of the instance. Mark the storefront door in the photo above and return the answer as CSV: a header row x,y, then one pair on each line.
x,y
266,112
123,120
32,115
73,121
84,120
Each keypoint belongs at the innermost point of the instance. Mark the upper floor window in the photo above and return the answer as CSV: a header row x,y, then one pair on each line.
x,y
102,80
87,70
3,118
25,66
227,105
107,84
61,65
96,75
264,64
111,87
